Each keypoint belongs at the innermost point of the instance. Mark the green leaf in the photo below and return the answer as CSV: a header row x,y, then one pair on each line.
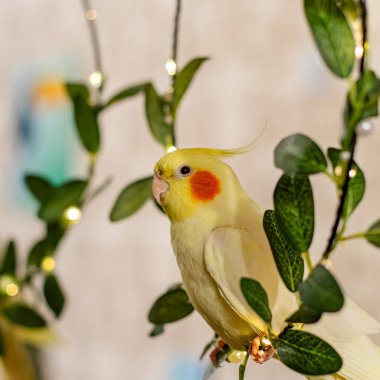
x,y
131,199
161,131
356,186
126,93
289,262
38,252
307,354
54,234
243,366
40,187
256,297
298,154
85,117
53,294
76,90
69,194
321,292
23,315
157,330
373,234
184,78
332,34
305,314
294,208
9,264
351,8
361,103
170,307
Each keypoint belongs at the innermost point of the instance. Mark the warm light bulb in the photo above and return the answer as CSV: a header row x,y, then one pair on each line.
x,y
171,67
266,342
48,264
171,148
365,128
359,51
91,14
96,79
352,173
11,290
8,286
72,214
236,356
345,155
338,171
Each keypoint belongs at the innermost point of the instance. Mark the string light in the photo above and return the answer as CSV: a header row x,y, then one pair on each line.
x,y
236,356
171,67
8,286
352,173
359,51
11,290
338,171
345,155
48,264
72,214
365,128
91,15
96,79
170,148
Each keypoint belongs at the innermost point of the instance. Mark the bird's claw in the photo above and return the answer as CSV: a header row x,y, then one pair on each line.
x,y
219,348
261,349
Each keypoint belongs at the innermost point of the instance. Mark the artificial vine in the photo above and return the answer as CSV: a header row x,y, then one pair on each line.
x,y
289,226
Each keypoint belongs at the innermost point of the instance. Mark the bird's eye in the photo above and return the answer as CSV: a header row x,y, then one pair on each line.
x,y
184,171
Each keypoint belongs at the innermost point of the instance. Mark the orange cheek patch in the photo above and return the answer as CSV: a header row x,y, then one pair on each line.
x,y
204,186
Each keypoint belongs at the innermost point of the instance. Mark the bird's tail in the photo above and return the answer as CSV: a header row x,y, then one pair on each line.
x,y
347,331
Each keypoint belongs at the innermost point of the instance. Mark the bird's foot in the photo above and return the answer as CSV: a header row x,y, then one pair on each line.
x,y
216,352
261,349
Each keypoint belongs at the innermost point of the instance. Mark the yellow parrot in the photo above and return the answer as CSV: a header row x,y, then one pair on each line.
x,y
218,238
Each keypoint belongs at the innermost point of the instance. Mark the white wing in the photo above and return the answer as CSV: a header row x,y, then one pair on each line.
x,y
232,253
347,332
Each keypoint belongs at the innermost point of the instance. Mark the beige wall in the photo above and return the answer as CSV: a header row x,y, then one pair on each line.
x,y
264,71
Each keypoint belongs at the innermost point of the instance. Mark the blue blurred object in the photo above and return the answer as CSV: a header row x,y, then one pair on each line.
x,y
185,367
46,135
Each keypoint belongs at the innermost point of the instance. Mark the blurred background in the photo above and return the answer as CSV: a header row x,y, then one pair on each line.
x,y
264,71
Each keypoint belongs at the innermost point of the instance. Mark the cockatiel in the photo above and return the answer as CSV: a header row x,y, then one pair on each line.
x,y
218,238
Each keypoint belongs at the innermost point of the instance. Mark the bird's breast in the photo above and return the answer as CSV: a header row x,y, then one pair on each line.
x,y
188,240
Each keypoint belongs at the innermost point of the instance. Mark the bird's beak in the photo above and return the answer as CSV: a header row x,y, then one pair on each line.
x,y
159,188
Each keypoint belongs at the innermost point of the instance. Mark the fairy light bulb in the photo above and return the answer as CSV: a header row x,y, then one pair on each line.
x,y
48,264
91,15
345,155
359,51
9,286
236,356
96,79
338,171
171,67
352,173
72,215
170,148
365,128
12,290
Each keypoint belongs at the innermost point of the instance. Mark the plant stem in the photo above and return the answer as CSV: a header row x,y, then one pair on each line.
x,y
353,236
95,45
306,256
175,36
243,366
171,113
333,237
